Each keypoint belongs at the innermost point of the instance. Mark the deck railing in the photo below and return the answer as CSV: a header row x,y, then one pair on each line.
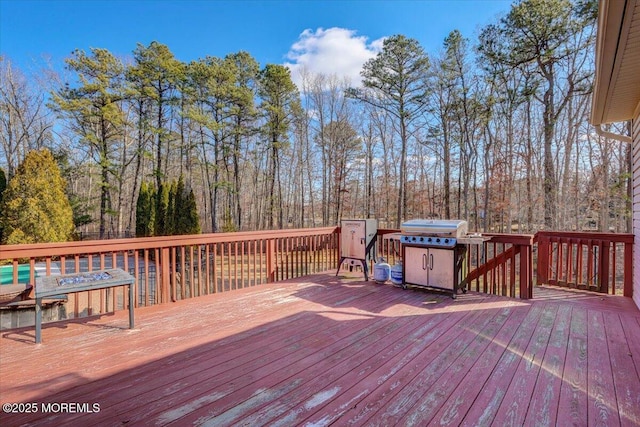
x,y
512,264
502,265
178,267
599,262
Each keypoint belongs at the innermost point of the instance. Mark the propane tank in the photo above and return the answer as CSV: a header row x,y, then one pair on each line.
x,y
381,271
396,274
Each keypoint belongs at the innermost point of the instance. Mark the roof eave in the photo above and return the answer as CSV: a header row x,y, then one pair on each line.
x,y
608,49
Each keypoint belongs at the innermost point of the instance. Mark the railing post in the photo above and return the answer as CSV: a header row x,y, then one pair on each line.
x,y
271,260
543,258
628,270
530,265
339,245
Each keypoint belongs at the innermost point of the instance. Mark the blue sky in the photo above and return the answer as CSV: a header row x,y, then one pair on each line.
x,y
325,36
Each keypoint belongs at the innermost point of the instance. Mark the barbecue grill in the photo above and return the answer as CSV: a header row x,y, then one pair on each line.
x,y
434,253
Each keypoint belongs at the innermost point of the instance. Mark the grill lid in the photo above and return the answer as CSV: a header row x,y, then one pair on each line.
x,y
435,227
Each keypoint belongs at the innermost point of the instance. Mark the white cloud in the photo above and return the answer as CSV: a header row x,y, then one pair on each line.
x,y
334,51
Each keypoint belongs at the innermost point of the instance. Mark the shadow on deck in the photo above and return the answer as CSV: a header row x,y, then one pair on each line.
x,y
321,350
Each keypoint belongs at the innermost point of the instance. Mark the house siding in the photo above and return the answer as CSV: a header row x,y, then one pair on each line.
x,y
636,208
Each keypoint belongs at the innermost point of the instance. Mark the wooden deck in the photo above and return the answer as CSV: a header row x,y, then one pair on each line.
x,y
323,350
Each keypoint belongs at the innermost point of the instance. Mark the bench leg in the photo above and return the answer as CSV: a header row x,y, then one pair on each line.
x,y
131,306
38,320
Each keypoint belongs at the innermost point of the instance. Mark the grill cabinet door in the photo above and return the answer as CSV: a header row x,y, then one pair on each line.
x,y
441,272
416,264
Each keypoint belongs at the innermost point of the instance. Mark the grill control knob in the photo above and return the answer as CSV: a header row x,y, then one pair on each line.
x,y
413,238
429,240
422,239
446,240
437,240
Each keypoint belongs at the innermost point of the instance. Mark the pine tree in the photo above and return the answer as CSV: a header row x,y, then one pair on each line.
x,y
162,209
34,207
191,219
182,212
154,76
170,215
280,102
395,81
94,111
145,211
178,207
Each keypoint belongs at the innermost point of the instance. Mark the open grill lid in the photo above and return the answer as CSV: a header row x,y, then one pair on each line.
x,y
455,228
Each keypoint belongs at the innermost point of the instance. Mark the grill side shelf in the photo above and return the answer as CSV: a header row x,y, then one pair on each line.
x,y
473,240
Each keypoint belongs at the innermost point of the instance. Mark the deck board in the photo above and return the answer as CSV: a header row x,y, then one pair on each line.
x,y
543,408
431,398
599,377
513,410
627,388
494,390
453,411
336,350
572,407
397,385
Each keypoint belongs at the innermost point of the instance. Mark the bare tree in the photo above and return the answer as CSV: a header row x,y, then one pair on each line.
x,y
24,121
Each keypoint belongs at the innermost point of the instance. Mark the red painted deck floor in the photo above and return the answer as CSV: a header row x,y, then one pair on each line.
x,y
334,351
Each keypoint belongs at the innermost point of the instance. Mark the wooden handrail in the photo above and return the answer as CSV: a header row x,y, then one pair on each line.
x,y
98,246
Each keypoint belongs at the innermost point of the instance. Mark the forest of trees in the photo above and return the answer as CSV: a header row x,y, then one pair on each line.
x,y
493,130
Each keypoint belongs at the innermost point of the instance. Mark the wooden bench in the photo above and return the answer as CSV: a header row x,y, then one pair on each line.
x,y
71,283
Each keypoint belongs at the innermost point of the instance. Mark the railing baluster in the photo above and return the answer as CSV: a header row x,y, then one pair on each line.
x,y
215,268
591,265
579,262
512,277
192,284
146,277
242,258
235,266
604,266
89,294
136,274
569,264
125,295
252,266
